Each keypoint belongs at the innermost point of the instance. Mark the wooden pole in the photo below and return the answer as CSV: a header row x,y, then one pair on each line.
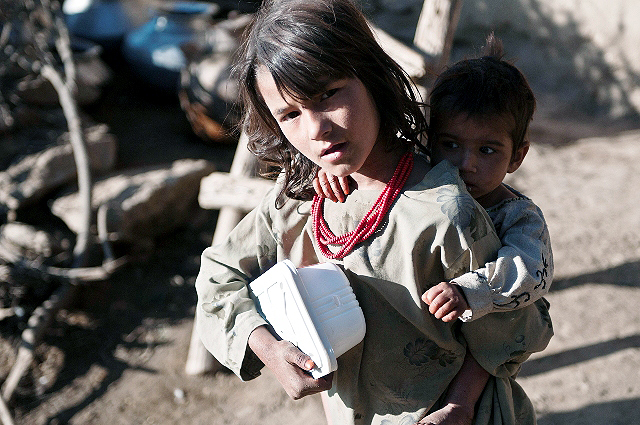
x,y
435,30
5,413
199,360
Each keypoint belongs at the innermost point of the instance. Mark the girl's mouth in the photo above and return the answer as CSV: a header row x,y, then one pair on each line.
x,y
333,150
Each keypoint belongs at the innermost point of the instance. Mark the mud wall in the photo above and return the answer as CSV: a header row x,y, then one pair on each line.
x,y
582,52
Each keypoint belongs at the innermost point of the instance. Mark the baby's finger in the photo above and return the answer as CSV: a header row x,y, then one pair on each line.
x,y
451,316
344,184
327,186
336,188
317,187
437,305
430,295
323,188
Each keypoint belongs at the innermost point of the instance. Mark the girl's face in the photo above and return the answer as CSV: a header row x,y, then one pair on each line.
x,y
482,150
336,129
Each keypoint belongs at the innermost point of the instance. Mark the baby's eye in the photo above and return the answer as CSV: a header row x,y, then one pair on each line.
x,y
328,94
487,150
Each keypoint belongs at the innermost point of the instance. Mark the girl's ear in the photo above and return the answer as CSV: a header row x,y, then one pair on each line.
x,y
518,157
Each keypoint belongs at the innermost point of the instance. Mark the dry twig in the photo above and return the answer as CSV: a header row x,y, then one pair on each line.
x,y
33,53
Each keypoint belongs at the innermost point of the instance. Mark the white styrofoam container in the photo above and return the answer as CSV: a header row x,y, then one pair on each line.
x,y
312,307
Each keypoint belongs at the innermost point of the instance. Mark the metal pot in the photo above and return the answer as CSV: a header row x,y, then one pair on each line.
x,y
153,51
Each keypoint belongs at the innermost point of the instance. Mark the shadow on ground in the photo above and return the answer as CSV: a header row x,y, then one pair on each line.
x,y
627,274
609,413
578,355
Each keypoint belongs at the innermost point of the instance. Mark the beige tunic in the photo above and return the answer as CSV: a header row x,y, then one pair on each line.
x,y
434,231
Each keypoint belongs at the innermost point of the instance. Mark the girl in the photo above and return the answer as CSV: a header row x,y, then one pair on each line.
x,y
319,91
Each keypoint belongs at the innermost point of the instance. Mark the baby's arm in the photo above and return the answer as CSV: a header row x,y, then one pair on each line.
x,y
523,270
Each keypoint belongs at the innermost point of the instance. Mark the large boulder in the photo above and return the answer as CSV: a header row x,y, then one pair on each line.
x,y
38,175
141,203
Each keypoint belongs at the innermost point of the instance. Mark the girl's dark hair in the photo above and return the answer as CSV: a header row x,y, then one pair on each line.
x,y
303,43
485,87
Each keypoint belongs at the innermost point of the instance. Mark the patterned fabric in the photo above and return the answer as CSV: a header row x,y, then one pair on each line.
x,y
434,231
523,271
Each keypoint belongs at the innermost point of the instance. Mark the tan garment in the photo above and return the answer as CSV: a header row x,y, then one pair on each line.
x,y
435,231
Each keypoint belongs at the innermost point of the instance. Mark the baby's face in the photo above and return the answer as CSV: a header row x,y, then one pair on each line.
x,y
482,150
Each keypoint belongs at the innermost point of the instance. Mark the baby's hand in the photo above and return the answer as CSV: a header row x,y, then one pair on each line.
x,y
446,301
329,186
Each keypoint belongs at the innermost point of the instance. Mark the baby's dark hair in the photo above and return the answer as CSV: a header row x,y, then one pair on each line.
x,y
304,44
484,87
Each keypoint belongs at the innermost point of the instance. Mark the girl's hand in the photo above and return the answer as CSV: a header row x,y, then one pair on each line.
x,y
446,301
290,365
329,186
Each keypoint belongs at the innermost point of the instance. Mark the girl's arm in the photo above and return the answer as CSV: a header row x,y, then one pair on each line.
x,y
227,320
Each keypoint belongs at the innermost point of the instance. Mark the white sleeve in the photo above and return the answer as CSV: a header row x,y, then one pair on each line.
x,y
523,270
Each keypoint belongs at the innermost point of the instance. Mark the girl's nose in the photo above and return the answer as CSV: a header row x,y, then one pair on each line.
x,y
318,125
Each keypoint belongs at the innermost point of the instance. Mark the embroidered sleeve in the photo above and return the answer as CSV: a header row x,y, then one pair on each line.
x,y
523,270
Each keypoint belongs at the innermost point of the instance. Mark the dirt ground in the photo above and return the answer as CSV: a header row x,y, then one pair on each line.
x,y
118,356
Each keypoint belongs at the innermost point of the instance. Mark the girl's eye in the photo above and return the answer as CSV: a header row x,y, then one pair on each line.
x,y
449,144
291,115
328,94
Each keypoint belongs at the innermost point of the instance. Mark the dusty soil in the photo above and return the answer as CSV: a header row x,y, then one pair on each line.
x,y
118,355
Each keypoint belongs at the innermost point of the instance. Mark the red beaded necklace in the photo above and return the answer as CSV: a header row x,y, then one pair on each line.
x,y
325,237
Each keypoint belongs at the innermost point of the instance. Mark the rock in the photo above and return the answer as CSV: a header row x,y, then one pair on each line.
x,y
142,203
37,175
29,241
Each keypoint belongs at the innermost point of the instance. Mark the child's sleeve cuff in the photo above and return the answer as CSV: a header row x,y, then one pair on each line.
x,y
477,293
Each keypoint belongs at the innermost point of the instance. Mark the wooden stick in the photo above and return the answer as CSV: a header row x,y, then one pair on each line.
x,y
81,157
5,413
412,61
77,274
31,336
44,314
219,190
199,360
436,26
103,232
